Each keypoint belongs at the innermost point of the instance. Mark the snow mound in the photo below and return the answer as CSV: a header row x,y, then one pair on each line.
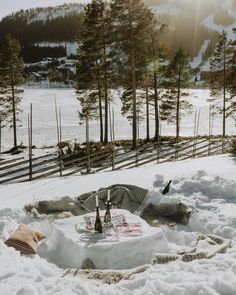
x,y
64,248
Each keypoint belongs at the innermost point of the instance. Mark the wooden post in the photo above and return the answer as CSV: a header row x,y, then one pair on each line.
x,y
111,136
197,128
209,135
57,124
113,124
194,133
137,141
198,121
60,137
87,143
30,133
113,140
159,141
0,136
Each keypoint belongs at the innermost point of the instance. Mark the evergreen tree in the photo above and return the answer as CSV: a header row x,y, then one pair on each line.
x,y
93,63
130,23
11,76
176,78
232,75
155,47
220,79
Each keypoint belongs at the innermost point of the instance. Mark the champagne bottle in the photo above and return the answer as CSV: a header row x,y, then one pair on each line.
x,y
107,217
98,223
167,188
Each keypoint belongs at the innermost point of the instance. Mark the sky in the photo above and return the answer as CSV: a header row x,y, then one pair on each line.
x,y
9,6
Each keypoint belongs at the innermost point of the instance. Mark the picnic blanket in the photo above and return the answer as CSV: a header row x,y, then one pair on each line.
x,y
99,277
206,247
123,196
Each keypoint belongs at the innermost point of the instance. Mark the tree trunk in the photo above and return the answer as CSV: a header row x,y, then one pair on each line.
x,y
0,136
178,109
105,89
100,104
87,143
14,115
224,95
147,106
13,106
156,108
133,82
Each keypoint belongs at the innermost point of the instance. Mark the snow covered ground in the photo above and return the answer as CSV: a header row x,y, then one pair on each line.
x,y
44,119
207,185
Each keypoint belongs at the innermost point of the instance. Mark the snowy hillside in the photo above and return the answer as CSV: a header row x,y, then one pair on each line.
x,y
193,24
204,19
210,192
49,13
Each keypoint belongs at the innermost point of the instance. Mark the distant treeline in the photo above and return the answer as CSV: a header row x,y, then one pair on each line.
x,y
41,25
33,54
63,28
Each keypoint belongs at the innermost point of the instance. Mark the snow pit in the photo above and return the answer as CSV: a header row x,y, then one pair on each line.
x,y
69,242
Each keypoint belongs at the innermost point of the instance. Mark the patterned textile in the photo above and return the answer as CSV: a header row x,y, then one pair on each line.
x,y
104,276
207,247
123,196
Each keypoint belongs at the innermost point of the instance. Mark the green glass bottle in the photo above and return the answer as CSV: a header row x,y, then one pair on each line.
x,y
107,216
98,223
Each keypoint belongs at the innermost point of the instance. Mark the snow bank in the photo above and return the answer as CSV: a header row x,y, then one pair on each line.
x,y
64,248
207,185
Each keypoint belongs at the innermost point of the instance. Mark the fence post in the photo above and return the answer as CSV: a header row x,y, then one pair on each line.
x,y
176,150
61,151
137,154
30,132
87,145
0,136
158,152
223,144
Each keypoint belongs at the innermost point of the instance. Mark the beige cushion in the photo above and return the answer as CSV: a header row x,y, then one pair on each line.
x,y
25,239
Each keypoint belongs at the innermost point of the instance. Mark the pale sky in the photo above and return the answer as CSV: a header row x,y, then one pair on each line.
x,y
9,6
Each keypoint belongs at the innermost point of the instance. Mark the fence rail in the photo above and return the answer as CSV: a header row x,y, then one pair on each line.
x,y
113,159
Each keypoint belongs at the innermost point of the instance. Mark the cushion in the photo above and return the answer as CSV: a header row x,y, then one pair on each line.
x,y
25,239
124,196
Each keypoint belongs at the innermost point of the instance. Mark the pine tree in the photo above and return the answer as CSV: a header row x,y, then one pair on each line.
x,y
176,78
11,76
155,47
130,20
93,62
232,75
220,79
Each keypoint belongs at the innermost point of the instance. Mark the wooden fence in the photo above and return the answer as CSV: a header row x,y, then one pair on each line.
x,y
117,158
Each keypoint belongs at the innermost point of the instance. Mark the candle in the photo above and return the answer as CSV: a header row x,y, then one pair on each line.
x,y
96,201
108,195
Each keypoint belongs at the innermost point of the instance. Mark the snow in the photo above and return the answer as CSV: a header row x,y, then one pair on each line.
x,y
44,119
165,9
207,185
104,254
196,62
209,23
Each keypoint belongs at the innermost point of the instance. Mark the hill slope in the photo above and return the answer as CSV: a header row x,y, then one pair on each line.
x,y
193,24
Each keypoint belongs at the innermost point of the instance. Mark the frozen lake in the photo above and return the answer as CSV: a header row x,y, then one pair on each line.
x,y
44,119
